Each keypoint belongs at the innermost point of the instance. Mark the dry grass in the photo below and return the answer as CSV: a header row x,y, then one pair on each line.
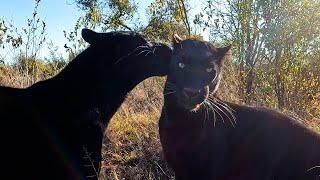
x,y
13,78
132,148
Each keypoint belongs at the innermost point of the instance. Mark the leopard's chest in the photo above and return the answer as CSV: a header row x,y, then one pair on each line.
x,y
193,150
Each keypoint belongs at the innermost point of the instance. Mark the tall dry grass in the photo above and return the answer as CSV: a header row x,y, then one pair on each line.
x,y
131,148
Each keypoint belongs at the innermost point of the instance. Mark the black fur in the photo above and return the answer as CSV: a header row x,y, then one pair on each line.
x,y
49,129
204,137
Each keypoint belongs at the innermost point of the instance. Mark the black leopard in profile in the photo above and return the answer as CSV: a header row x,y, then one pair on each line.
x,y
204,137
54,128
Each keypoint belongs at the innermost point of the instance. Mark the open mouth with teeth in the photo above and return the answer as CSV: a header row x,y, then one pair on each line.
x,y
189,102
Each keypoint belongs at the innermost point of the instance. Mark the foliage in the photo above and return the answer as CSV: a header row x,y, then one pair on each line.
x,y
166,18
27,42
104,15
275,50
112,14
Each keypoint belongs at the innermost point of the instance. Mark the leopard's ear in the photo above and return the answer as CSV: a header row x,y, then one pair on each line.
x,y
89,36
224,53
176,41
224,50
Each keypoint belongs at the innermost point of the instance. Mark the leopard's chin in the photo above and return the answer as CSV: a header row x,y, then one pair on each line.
x,y
190,104
196,108
192,107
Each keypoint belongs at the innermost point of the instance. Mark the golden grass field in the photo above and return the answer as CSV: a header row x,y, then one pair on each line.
x,y
131,149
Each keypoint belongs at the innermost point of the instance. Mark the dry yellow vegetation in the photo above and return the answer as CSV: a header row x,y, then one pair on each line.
x,y
131,148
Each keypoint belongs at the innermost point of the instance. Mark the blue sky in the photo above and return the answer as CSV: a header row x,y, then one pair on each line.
x,y
59,15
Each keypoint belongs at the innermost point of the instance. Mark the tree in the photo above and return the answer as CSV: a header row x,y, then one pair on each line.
x,y
103,15
28,41
274,44
238,22
166,17
288,38
111,14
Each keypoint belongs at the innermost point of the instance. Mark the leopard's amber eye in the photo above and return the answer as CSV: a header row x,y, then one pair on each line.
x,y
208,70
181,65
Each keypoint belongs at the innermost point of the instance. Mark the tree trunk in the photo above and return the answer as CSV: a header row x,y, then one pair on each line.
x,y
279,84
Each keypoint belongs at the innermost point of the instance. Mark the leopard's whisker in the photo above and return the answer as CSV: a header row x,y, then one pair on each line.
x,y
132,52
172,92
214,111
219,109
229,114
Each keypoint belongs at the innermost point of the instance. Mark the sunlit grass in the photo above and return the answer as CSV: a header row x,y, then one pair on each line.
x,y
132,149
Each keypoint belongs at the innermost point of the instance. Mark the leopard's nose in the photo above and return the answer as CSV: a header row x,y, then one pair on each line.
x,y
191,93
